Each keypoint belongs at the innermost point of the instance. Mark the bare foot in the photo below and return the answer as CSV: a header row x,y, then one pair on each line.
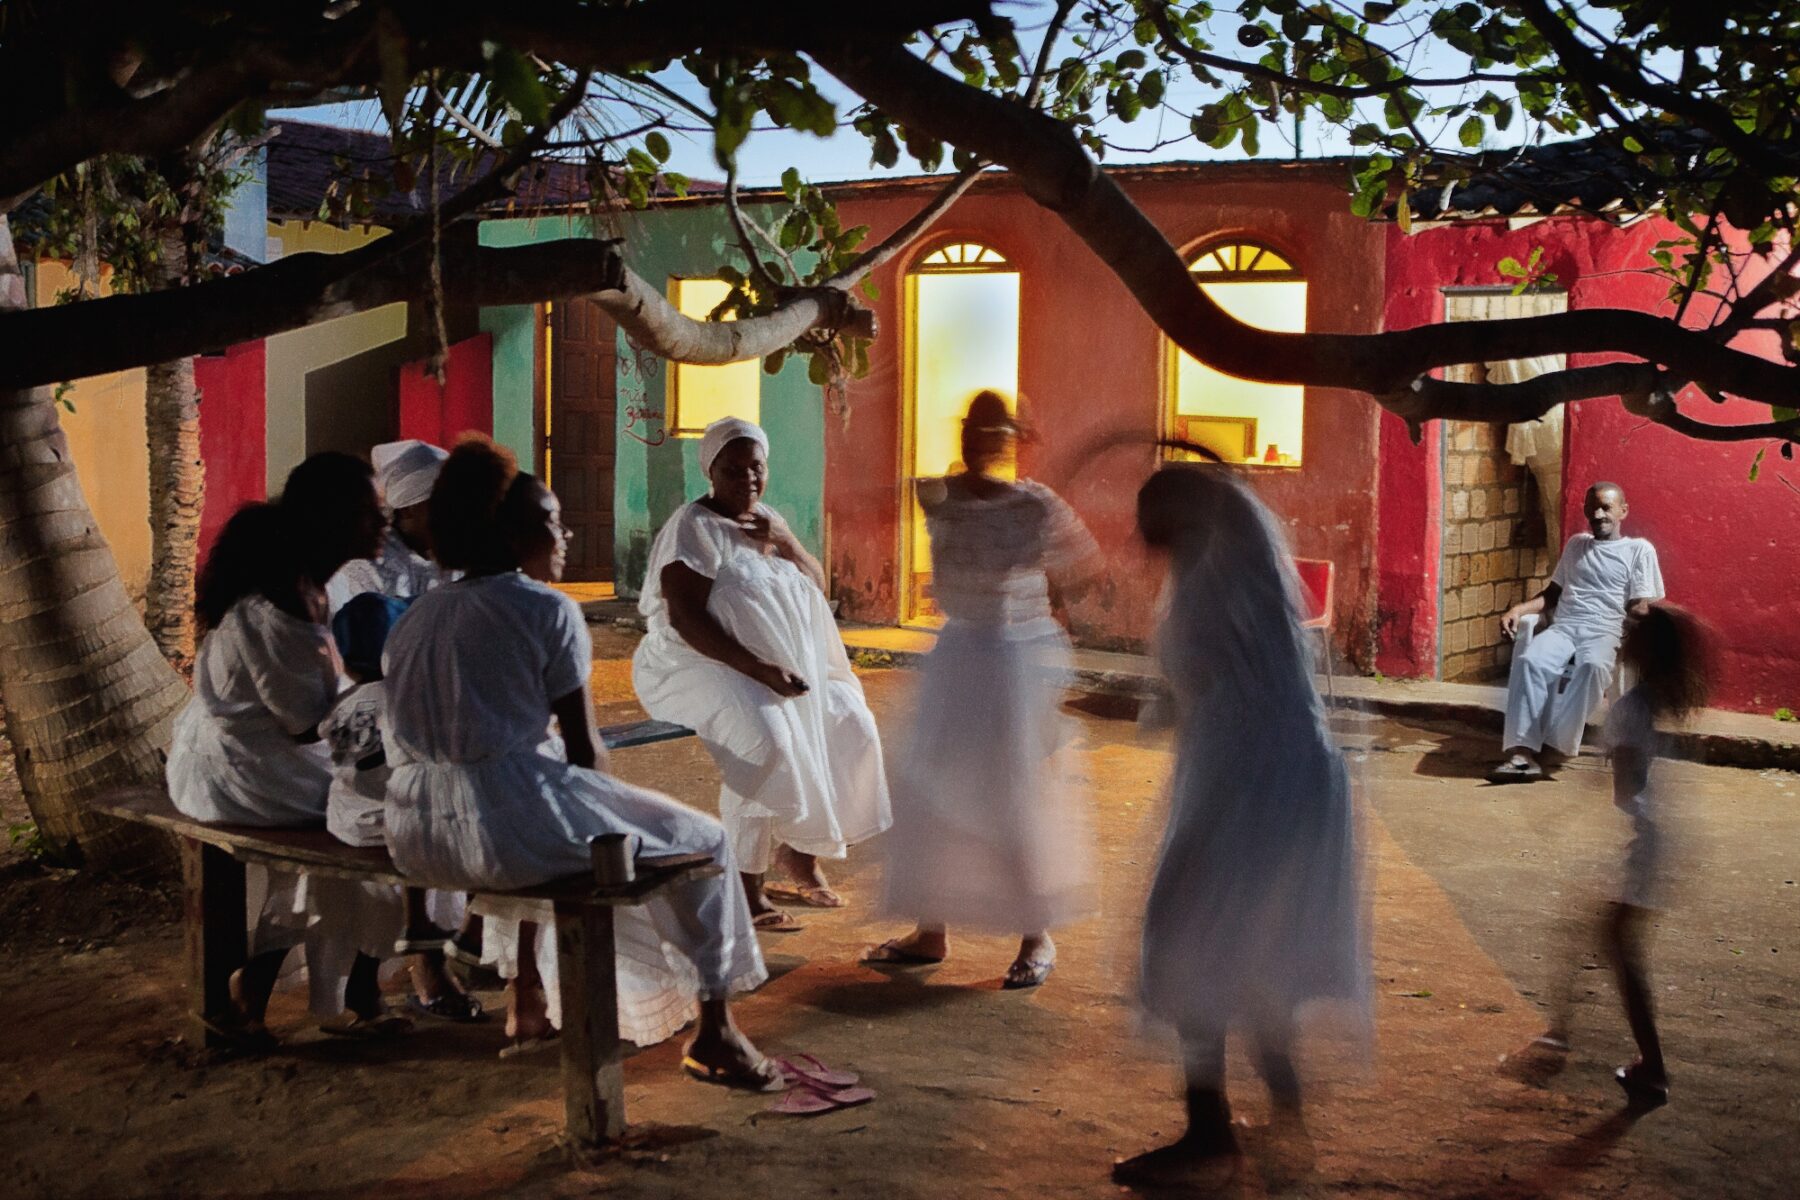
x,y
527,1013
1200,1156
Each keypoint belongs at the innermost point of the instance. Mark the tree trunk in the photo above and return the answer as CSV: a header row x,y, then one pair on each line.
x,y
177,483
88,700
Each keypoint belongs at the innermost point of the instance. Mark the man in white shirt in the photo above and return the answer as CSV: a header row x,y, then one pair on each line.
x,y
1602,578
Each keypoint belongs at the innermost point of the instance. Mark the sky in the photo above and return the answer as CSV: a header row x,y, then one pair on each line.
x,y
769,152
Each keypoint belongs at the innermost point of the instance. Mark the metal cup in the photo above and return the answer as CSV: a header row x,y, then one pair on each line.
x,y
612,855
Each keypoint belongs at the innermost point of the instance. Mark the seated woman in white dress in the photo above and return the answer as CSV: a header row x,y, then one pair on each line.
x,y
742,648
988,833
245,748
1256,919
476,669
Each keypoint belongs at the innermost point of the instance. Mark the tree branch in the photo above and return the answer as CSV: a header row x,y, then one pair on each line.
x,y
93,337
878,255
1057,173
41,141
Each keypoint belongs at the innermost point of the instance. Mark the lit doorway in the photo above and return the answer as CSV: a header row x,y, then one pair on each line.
x,y
962,308
576,454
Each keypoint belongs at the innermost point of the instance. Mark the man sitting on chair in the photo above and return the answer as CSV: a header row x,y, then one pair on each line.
x,y
1602,578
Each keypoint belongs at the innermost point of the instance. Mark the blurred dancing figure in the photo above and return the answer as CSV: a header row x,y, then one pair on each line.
x,y
1667,650
1256,914
987,835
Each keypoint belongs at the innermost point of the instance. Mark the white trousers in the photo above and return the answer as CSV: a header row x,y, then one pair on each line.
x,y
1540,709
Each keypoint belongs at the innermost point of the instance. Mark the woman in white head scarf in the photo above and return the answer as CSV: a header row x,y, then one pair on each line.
x,y
1256,918
742,648
403,569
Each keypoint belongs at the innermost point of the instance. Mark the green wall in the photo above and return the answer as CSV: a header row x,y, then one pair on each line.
x,y
652,480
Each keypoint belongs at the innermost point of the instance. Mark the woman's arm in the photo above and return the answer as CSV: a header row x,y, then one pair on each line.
x,y
574,714
686,592
780,539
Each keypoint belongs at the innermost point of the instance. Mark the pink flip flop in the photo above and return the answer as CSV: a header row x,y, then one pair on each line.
x,y
796,1068
808,1099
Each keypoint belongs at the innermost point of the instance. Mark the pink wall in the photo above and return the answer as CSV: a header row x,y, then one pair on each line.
x,y
1091,367
465,402
1726,544
233,445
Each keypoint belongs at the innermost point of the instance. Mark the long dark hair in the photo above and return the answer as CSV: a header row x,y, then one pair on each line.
x,y
468,530
254,555
1671,651
270,548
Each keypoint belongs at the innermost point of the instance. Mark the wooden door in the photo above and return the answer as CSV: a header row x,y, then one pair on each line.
x,y
579,433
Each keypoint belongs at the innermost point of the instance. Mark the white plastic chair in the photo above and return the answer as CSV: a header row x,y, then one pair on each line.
x,y
1618,686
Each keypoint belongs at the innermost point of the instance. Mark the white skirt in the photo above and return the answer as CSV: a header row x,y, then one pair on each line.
x,y
1256,914
988,832
525,819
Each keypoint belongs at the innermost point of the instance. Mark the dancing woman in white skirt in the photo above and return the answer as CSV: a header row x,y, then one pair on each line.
x,y
741,647
1255,917
475,671
987,834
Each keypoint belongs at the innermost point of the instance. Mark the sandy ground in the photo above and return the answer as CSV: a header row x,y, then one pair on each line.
x,y
1478,907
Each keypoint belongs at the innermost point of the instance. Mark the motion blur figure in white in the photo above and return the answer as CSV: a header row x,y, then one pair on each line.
x,y
1256,915
988,834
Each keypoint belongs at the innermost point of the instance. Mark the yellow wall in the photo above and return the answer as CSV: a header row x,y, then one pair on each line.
x,y
291,355
107,442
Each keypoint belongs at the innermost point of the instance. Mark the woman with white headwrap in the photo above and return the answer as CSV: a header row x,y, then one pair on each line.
x,y
403,569
742,648
1255,919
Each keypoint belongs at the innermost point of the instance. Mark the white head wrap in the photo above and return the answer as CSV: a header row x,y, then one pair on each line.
x,y
722,433
407,470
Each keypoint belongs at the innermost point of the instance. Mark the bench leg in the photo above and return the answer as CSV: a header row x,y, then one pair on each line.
x,y
213,910
593,1080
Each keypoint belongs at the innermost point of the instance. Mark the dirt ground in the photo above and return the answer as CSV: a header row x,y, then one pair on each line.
x,y
1479,903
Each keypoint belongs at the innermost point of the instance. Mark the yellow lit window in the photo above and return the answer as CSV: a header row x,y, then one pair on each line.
x,y
1237,419
962,319
698,396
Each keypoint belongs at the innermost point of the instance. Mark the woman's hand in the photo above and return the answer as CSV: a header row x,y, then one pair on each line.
x,y
765,536
779,680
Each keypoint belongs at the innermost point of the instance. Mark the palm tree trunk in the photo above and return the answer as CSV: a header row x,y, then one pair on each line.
x,y
87,697
177,482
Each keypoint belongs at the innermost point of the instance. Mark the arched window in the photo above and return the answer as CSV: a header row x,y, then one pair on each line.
x,y
962,335
1237,419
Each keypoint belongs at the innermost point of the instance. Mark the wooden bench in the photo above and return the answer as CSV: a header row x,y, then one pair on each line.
x,y
213,858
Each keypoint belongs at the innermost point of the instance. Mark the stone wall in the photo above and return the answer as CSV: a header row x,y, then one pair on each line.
x,y
1493,550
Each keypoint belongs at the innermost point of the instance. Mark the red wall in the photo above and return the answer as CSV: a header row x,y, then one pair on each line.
x,y
1726,544
233,445
1091,367
465,402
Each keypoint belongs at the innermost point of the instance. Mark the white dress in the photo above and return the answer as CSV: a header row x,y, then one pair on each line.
x,y
989,832
261,679
1256,912
398,571
803,771
473,803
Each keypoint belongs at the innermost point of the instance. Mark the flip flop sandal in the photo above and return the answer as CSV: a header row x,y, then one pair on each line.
x,y
797,1067
1640,1093
1516,772
745,1079
805,894
522,1047
387,1025
775,922
460,1007
891,954
1036,971
809,1099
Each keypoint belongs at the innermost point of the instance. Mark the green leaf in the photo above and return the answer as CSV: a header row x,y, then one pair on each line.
x,y
772,362
818,371
1756,464
1632,145
1472,131
516,83
790,182
1132,60
657,145
1512,268
640,162
1375,14
1779,412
